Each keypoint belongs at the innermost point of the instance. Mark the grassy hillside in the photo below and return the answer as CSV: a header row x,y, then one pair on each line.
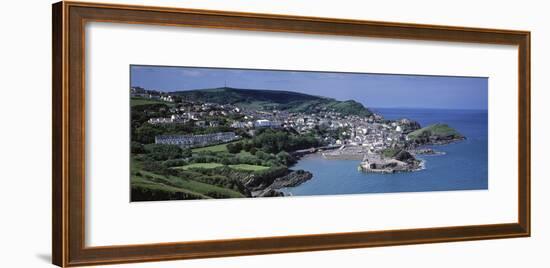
x,y
147,185
235,95
200,165
248,167
436,131
213,148
135,101
245,167
274,99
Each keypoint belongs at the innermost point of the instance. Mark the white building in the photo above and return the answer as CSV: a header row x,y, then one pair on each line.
x,y
196,140
174,119
238,124
266,123
167,98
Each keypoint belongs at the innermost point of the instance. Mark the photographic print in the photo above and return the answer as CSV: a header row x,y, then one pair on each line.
x,y
212,133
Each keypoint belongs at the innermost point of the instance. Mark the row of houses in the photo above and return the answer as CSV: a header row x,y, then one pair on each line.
x,y
196,140
173,119
257,124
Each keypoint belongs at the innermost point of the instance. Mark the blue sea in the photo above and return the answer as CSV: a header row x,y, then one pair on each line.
x,y
463,167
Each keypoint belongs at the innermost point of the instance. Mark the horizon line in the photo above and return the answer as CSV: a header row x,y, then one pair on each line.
x,y
426,108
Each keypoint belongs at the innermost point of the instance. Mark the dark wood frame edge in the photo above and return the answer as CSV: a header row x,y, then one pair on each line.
x,y
57,166
68,20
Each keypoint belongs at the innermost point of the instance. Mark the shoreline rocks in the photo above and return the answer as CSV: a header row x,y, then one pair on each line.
x,y
292,179
400,161
268,192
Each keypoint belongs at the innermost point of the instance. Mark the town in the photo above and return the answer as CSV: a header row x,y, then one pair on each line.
x,y
333,129
230,142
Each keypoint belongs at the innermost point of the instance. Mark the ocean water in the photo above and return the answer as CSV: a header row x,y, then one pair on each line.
x,y
463,167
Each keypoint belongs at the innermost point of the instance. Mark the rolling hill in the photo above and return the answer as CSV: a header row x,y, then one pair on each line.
x,y
274,99
435,134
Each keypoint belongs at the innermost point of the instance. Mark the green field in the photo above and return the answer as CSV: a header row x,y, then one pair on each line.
x,y
220,148
200,165
244,153
143,101
248,167
245,167
214,148
152,182
143,183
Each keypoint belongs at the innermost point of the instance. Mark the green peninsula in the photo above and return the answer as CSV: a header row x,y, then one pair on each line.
x,y
435,134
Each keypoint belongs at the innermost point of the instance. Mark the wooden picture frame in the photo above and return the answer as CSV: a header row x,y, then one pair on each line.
x,y
68,155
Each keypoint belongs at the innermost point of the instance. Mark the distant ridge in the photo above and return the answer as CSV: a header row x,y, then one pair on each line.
x,y
263,99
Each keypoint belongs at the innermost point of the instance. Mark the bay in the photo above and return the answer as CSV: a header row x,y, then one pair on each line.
x,y
464,166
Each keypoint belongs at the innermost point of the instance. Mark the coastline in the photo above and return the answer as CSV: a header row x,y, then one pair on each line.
x,y
272,150
359,153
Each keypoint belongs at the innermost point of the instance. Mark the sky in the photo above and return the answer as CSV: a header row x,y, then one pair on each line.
x,y
372,90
